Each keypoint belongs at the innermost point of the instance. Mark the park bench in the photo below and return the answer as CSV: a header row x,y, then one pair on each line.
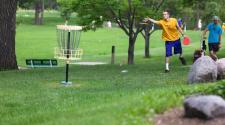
x,y
34,63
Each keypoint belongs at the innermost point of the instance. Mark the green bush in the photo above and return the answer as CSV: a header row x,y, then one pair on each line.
x,y
206,89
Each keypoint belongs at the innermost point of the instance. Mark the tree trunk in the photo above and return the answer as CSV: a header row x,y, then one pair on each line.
x,y
131,52
7,34
147,41
39,12
52,4
132,39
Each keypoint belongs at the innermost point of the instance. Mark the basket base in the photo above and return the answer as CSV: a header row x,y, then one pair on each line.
x,y
66,83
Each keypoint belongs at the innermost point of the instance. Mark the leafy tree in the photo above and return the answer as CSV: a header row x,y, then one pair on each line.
x,y
7,34
175,7
29,4
39,12
66,8
212,9
222,10
39,7
153,6
26,4
204,9
128,14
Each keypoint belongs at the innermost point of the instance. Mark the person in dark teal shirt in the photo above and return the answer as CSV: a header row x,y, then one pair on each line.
x,y
214,38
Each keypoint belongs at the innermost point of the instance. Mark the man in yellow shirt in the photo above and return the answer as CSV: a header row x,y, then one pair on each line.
x,y
171,35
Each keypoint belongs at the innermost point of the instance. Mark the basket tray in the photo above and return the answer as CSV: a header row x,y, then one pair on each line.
x,y
68,54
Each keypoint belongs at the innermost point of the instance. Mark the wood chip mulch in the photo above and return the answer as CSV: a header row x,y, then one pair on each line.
x,y
175,117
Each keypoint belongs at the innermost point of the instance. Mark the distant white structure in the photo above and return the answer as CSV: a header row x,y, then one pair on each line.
x,y
109,24
185,27
199,24
153,26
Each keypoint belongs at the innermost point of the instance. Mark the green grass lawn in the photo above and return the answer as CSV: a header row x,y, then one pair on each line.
x,y
100,95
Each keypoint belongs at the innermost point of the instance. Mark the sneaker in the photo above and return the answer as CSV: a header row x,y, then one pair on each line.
x,y
166,71
183,61
214,58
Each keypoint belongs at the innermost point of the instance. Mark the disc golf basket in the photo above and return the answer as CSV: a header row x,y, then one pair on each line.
x,y
68,38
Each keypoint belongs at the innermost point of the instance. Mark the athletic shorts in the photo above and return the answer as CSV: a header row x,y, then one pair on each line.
x,y
170,45
214,47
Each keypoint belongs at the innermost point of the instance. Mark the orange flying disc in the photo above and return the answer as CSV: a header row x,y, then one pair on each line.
x,y
186,40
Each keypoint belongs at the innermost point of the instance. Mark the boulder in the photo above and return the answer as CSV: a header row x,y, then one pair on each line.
x,y
220,68
204,106
204,69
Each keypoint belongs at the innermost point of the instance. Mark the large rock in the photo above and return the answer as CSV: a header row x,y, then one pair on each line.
x,y
204,69
206,107
221,68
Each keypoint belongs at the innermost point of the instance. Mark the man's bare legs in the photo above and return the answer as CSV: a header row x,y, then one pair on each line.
x,y
167,61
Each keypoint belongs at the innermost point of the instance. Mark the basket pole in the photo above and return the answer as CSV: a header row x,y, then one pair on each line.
x,y
67,62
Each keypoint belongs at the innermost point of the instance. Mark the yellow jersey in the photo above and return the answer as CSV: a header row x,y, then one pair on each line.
x,y
169,29
223,27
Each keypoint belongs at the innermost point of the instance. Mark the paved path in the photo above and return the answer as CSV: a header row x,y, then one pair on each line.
x,y
89,63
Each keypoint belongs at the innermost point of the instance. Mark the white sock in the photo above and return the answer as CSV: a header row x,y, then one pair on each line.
x,y
167,66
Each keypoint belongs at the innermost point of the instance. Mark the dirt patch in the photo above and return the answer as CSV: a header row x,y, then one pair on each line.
x,y
175,117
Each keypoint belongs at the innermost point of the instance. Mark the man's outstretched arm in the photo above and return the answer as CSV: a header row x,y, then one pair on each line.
x,y
151,20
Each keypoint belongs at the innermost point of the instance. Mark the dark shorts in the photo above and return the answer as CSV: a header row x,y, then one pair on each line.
x,y
170,45
214,47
